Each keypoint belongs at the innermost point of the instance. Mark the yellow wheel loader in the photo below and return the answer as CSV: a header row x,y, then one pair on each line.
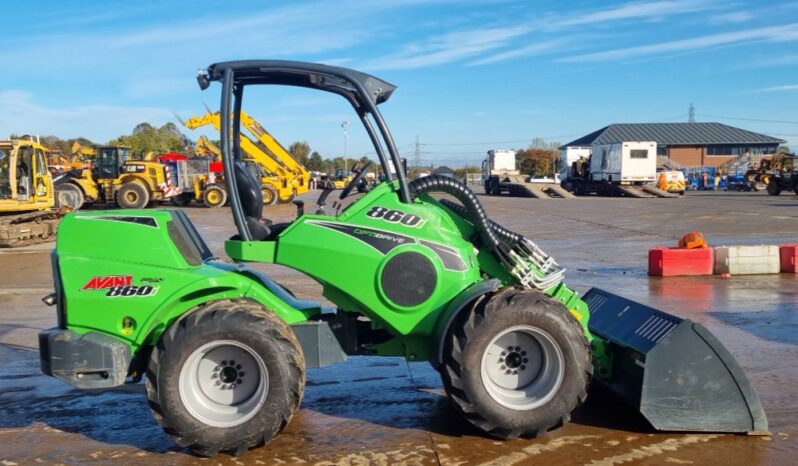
x,y
116,178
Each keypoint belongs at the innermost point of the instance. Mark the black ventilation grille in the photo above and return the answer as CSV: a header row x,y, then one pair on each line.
x,y
408,279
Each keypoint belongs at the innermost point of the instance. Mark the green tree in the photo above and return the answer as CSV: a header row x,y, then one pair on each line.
x,y
301,151
146,138
315,163
338,162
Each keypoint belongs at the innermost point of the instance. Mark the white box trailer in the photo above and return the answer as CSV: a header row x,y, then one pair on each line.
x,y
500,175
568,156
499,162
627,162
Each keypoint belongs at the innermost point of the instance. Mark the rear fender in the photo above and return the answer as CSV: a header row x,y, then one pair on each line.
x,y
235,284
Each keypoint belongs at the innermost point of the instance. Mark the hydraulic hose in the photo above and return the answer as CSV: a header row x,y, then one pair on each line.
x,y
523,259
508,237
472,208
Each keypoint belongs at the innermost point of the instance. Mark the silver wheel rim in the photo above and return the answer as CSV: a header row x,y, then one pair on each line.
x,y
223,383
522,367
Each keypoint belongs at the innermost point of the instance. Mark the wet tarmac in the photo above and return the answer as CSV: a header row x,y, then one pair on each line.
x,y
386,411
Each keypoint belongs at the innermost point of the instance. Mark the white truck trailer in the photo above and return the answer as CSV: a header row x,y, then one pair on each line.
x,y
621,168
499,175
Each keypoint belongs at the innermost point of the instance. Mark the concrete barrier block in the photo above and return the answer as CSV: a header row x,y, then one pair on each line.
x,y
747,260
789,258
671,262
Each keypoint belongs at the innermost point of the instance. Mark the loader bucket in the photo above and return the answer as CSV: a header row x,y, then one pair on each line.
x,y
673,370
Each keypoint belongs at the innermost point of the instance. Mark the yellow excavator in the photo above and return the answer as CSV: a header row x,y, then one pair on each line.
x,y
29,211
283,177
116,178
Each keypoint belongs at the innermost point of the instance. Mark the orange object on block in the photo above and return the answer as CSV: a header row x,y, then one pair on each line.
x,y
693,240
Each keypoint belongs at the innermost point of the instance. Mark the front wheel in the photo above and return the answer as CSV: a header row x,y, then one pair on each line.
x,y
214,196
227,377
517,364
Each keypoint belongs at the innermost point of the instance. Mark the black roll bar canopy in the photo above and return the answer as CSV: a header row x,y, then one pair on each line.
x,y
364,92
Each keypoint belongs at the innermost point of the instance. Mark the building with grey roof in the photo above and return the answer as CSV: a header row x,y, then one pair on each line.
x,y
687,144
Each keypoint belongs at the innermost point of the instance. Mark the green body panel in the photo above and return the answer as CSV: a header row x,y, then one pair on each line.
x,y
96,254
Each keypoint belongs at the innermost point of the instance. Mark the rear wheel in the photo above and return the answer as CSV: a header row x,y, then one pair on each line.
x,y
269,195
214,196
132,195
227,377
69,195
529,364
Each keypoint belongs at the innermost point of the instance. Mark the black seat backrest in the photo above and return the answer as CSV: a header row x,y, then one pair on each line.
x,y
251,201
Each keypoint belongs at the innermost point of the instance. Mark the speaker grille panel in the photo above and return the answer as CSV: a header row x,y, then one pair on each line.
x,y
408,279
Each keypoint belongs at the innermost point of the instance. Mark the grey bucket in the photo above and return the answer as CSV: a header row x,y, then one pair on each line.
x,y
673,370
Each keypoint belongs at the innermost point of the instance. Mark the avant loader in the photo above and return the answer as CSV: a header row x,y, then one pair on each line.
x,y
225,348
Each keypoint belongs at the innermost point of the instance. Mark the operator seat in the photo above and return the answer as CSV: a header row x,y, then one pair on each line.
x,y
251,197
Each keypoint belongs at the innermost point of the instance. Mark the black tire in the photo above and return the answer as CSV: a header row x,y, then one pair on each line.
x,y
269,195
69,195
133,195
182,199
289,199
774,186
214,196
242,322
476,330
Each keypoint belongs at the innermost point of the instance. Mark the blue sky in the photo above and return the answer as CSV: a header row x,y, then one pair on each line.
x,y
472,75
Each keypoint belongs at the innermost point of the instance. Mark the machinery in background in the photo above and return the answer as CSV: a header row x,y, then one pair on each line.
x,y
781,174
627,168
282,176
115,178
198,179
671,181
29,209
500,176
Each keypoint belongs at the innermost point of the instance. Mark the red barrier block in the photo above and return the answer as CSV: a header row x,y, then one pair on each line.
x,y
670,262
789,258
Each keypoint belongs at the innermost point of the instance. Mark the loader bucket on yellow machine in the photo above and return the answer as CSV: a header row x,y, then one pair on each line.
x,y
673,370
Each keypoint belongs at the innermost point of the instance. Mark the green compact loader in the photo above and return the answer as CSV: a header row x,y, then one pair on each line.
x,y
416,270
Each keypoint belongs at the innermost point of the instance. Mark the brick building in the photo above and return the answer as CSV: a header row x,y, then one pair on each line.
x,y
687,144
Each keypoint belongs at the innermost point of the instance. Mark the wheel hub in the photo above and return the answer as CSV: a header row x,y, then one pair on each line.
x,y
223,383
522,367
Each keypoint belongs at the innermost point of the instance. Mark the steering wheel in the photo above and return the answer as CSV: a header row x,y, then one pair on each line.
x,y
348,189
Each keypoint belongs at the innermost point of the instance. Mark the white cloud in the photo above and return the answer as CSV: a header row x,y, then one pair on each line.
x,y
769,34
636,10
447,48
535,48
782,88
502,42
732,18
99,122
